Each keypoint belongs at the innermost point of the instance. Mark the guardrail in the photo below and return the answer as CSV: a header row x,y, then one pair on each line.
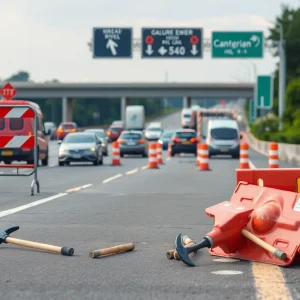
x,y
286,152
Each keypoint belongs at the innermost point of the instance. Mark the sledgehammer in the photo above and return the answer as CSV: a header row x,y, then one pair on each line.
x,y
4,238
112,250
187,242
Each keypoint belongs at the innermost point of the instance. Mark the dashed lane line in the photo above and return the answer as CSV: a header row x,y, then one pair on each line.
x,y
144,167
112,178
79,188
132,171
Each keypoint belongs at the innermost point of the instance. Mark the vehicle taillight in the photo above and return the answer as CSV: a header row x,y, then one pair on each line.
x,y
60,130
108,133
30,133
72,130
194,140
141,141
175,140
26,149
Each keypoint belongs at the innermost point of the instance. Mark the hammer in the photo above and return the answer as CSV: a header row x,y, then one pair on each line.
x,y
112,250
186,241
4,238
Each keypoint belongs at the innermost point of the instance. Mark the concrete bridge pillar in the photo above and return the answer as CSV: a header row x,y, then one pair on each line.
x,y
187,102
124,103
67,114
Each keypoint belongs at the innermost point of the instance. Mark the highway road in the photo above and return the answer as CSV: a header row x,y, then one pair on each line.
x,y
90,207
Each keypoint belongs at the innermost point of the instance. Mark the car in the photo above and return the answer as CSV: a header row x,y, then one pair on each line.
x,y
166,138
186,115
52,129
24,126
65,128
114,132
223,138
133,142
153,131
101,134
184,141
80,147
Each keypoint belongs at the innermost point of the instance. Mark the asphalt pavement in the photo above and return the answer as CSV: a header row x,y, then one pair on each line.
x,y
90,207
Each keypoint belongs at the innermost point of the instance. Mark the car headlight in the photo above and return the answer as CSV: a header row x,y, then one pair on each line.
x,y
62,151
160,141
93,149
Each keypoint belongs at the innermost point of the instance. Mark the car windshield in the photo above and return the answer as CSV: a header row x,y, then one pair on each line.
x,y
115,129
185,135
154,129
133,136
99,134
68,126
224,133
79,138
167,134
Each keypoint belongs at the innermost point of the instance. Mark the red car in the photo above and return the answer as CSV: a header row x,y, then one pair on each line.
x,y
113,132
65,128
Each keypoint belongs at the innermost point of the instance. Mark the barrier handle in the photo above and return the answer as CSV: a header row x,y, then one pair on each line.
x,y
276,252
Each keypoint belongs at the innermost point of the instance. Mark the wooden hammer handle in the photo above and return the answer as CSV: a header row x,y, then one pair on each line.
x,y
62,250
112,250
276,252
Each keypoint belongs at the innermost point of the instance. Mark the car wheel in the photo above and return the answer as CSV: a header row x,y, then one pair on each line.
x,y
45,161
236,156
96,162
61,164
101,161
173,154
105,153
121,154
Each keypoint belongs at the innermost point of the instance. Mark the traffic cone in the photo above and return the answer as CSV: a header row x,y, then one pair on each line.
x,y
244,156
159,153
204,158
152,164
273,155
116,154
198,153
169,150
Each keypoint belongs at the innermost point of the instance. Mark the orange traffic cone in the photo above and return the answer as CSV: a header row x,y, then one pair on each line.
x,y
152,164
204,158
116,154
159,153
198,153
244,156
169,150
273,155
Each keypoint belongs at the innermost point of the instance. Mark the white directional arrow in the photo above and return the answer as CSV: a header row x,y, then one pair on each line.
x,y
162,50
149,50
112,45
194,50
255,39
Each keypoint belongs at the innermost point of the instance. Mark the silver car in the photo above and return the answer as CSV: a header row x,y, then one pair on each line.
x,y
132,142
80,147
101,134
154,131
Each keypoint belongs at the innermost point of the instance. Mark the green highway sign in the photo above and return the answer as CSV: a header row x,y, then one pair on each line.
x,y
252,111
237,44
264,92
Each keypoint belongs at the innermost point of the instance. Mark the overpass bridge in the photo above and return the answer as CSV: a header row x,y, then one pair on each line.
x,y
69,91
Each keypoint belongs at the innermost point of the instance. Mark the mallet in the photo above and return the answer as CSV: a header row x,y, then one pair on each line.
x,y
187,242
112,250
4,238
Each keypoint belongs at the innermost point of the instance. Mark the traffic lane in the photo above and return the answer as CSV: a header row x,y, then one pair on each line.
x,y
54,180
169,122
148,208
262,161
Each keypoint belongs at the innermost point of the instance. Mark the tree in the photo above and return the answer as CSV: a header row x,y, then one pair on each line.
x,y
20,76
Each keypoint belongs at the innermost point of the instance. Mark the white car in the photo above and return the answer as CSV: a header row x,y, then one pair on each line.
x,y
153,131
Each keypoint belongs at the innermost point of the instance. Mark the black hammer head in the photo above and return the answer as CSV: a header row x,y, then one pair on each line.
x,y
183,252
6,233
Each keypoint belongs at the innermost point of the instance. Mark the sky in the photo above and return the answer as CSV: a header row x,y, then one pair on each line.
x,y
49,38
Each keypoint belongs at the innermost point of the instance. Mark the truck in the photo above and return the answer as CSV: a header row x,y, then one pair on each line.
x,y
135,117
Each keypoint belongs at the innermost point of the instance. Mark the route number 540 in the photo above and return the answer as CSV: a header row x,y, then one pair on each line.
x,y
176,50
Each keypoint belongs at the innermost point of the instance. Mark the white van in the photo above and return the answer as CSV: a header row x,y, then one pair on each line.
x,y
135,117
186,115
223,137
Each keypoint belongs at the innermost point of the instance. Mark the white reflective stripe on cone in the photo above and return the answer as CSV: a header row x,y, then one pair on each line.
x,y
273,161
152,159
204,160
244,152
115,150
244,160
204,152
115,157
152,151
273,152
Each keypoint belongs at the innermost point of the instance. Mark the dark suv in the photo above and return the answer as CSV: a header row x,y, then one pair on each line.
x,y
184,141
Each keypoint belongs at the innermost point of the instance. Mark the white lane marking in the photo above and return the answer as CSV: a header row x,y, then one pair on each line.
x,y
227,272
229,260
112,178
79,188
32,204
168,158
132,171
144,167
251,165
52,165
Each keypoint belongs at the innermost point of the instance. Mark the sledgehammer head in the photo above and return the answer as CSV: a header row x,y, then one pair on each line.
x,y
6,233
183,252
